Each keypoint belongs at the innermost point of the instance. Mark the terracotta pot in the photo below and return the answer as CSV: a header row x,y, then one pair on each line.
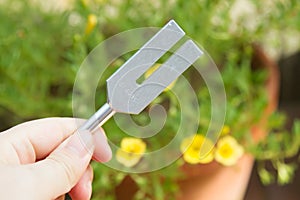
x,y
213,181
219,183
261,60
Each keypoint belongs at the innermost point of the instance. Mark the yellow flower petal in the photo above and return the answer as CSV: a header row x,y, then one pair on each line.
x,y
225,130
228,151
131,151
191,157
91,23
133,145
127,159
197,149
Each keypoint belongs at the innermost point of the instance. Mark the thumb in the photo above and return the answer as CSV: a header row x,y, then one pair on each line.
x,y
62,169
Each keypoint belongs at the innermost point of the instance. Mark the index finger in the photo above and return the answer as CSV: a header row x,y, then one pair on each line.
x,y
43,134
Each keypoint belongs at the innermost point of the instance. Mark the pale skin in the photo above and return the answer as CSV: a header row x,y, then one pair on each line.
x,y
45,159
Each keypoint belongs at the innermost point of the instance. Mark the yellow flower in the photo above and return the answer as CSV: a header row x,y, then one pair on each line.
x,y
228,151
225,130
152,69
131,151
91,23
197,149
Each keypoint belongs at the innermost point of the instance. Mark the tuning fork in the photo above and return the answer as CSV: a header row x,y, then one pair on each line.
x,y
125,95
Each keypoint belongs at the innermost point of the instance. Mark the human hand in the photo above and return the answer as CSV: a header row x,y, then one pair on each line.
x,y
43,159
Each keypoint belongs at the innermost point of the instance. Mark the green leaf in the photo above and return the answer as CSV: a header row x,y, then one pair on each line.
x,y
265,176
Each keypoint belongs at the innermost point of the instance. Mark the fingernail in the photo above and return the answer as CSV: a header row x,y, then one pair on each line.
x,y
81,143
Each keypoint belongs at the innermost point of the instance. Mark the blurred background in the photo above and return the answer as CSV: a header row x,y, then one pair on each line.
x,y
43,43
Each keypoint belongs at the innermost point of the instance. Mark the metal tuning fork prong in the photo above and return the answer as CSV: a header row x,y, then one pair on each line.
x,y
125,95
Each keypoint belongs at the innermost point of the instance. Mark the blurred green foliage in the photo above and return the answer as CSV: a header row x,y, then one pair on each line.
x,y
36,77
42,49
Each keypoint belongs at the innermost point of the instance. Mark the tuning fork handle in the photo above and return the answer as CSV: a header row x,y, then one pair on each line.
x,y
98,118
